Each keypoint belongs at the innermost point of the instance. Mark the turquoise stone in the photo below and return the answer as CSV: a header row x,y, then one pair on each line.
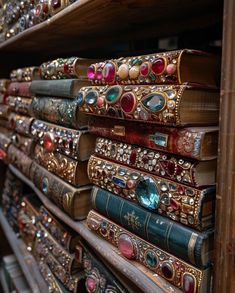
x,y
113,94
160,139
147,193
151,259
91,97
45,185
154,102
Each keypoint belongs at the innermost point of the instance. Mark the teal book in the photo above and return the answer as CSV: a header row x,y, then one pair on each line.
x,y
188,244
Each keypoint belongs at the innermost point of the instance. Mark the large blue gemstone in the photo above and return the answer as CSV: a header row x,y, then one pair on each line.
x,y
119,182
154,102
147,193
45,185
91,97
151,259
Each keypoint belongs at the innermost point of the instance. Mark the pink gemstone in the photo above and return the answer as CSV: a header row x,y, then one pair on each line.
x,y
133,157
48,143
130,183
170,69
158,66
109,72
91,72
181,189
66,68
144,69
99,74
2,154
91,284
175,204
188,284
126,247
128,102
38,10
100,102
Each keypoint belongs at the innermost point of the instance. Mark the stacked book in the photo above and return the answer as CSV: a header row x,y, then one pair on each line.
x,y
154,165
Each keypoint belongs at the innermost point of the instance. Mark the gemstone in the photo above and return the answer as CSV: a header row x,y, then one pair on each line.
x,y
165,199
109,72
113,93
189,283
119,182
38,10
130,183
158,66
126,246
100,102
170,69
171,93
144,115
154,102
103,228
66,68
134,72
175,204
56,4
167,270
48,142
147,193
91,284
128,102
45,184
91,72
144,69
151,259
99,74
123,71
79,99
91,97
2,154
133,157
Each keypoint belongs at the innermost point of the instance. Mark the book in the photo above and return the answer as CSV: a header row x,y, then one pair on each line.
x,y
199,143
185,204
19,105
59,111
70,170
180,169
67,88
160,262
23,143
4,111
76,202
77,144
20,89
173,67
19,123
170,105
184,242
24,74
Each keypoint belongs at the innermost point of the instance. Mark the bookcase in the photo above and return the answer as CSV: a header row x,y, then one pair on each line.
x,y
103,29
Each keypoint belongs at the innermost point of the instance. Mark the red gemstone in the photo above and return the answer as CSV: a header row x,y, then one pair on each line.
x,y
56,4
175,204
188,284
179,170
38,10
144,69
109,72
181,189
48,143
2,154
126,246
66,68
111,234
167,270
145,159
45,8
128,102
99,74
100,102
130,183
133,157
158,66
171,168
91,72
91,284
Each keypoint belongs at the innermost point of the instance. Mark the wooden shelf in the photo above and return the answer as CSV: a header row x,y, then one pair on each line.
x,y
143,278
25,259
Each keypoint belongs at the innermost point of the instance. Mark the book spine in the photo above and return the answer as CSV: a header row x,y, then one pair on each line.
x,y
185,142
19,105
20,124
174,200
25,144
164,233
20,89
60,88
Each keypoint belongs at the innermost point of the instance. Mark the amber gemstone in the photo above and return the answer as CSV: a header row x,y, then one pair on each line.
x,y
167,270
158,66
188,284
48,142
126,246
128,102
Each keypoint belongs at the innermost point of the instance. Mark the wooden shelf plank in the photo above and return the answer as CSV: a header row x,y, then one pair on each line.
x,y
25,259
143,278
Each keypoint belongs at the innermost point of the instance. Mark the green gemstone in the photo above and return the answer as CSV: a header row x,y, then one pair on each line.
x,y
113,94
152,76
136,62
151,259
154,102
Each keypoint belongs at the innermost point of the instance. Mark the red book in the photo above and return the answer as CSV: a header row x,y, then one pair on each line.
x,y
19,89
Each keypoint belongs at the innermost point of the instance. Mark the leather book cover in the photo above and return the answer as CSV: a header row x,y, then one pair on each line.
x,y
199,143
59,111
74,201
184,242
170,105
185,204
23,143
20,89
173,67
19,105
21,124
24,74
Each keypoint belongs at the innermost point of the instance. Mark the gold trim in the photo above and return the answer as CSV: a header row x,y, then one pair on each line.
x,y
191,247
